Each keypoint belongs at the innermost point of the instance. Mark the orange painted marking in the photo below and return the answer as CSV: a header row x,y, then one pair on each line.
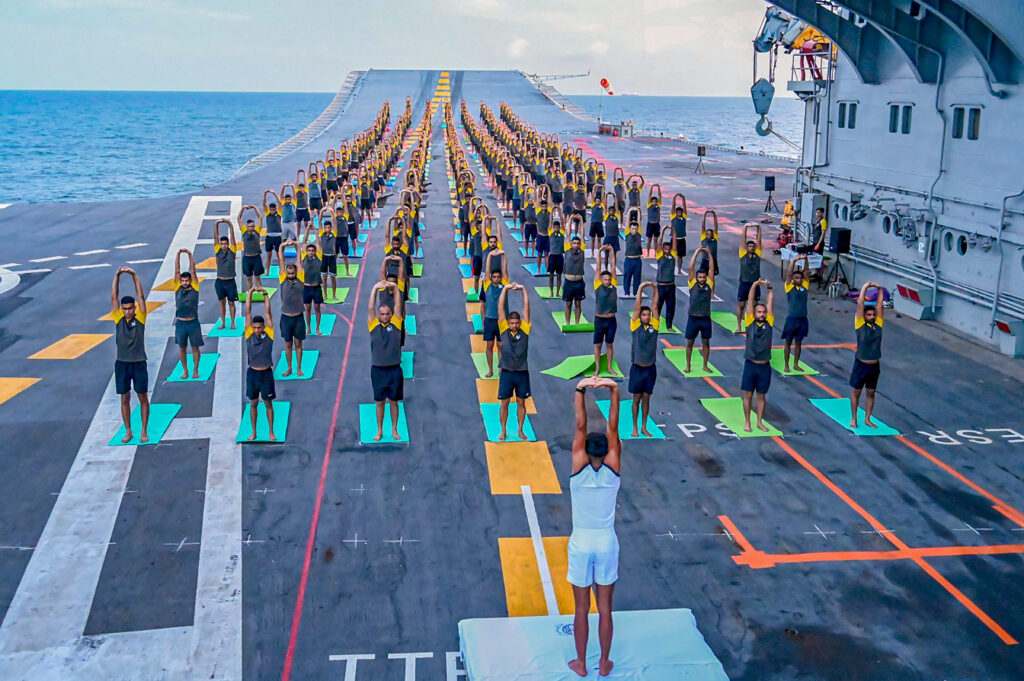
x,y
823,346
821,385
717,387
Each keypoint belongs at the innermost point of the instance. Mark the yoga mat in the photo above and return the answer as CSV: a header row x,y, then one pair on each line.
x,y
326,324
478,324
417,269
777,363
227,331
726,320
511,224
472,296
678,359
838,409
729,410
281,412
516,236
309,358
207,363
336,300
257,298
272,273
368,424
348,273
363,238
160,416
466,270
626,421
407,364
414,295
480,362
532,269
584,325
545,293
410,324
492,423
522,251
575,365
461,252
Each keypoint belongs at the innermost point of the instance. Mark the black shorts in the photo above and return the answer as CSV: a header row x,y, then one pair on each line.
x,y
516,204
796,328
653,229
756,377
271,243
698,325
573,291
556,263
680,246
292,327
366,204
316,202
312,294
259,383
642,379
743,291
508,193
330,263
353,231
388,383
302,215
477,265
188,333
530,230
865,375
227,289
490,329
556,197
332,185
343,249
604,329
129,375
597,230
252,266
543,244
513,383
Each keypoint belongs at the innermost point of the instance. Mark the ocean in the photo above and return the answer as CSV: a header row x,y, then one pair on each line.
x,y
94,146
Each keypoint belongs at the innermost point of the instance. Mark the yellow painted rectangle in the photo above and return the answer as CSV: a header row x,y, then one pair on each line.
x,y
9,387
472,309
524,593
169,284
444,79
208,264
150,307
478,344
467,283
487,391
71,346
511,465
556,550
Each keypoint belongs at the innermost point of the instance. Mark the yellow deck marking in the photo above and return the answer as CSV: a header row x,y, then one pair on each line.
x,y
169,284
478,344
467,283
487,391
511,465
524,594
71,346
9,387
472,309
208,264
150,306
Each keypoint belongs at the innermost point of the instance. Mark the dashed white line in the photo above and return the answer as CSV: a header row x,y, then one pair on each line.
x,y
140,262
38,271
94,252
89,267
131,246
48,259
9,265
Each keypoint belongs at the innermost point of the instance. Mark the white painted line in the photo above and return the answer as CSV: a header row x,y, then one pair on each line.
x,y
89,267
538,549
204,242
410,662
10,264
4,205
8,280
52,257
142,244
94,252
147,260
38,271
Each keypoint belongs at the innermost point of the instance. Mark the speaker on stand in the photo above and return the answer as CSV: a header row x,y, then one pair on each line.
x,y
769,186
838,243
702,151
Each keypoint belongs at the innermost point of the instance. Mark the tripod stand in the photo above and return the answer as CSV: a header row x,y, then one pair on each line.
x,y
700,169
770,205
836,274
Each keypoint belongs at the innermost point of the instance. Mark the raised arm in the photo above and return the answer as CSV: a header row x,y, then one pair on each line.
x,y
654,301
526,303
758,225
501,305
640,300
693,264
748,311
268,314
879,307
192,268
177,265
115,296
579,434
371,313
770,303
399,304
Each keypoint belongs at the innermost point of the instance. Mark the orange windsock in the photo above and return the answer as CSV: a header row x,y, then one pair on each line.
x,y
607,86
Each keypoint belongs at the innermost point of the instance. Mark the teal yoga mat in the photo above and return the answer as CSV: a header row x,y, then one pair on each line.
x,y
478,324
407,364
678,359
729,410
368,424
466,271
410,324
472,296
281,413
207,363
492,423
327,322
160,417
534,270
414,295
227,331
626,421
777,362
309,359
838,409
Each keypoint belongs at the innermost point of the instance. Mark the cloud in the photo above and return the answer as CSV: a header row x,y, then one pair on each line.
x,y
146,6
517,48
659,39
598,48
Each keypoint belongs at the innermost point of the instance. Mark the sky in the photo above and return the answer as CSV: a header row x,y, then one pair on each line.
x,y
652,47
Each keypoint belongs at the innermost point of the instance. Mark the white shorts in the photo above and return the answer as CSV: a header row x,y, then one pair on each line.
x,y
593,557
289,231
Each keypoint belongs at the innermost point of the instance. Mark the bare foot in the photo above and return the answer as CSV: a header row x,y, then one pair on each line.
x,y
127,436
144,437
746,427
785,368
869,423
195,373
395,435
761,426
578,666
596,374
221,324
184,375
232,324
286,374
318,331
707,368
853,425
687,369
797,367
502,435
272,437
252,437
636,433
379,436
738,331
645,432
522,435
489,373
605,668
299,372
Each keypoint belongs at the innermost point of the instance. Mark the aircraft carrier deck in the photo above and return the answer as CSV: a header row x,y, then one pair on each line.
x,y
816,555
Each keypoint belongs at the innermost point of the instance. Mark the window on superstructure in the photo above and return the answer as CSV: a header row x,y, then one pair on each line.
x,y
851,116
894,117
842,114
958,122
973,123
966,120
908,112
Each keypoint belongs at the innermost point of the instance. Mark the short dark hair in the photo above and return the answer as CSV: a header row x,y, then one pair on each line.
x,y
186,273
645,308
513,315
751,242
605,272
127,300
258,319
757,305
224,238
596,445
575,238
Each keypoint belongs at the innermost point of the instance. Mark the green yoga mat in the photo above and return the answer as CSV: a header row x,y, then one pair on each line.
x,y
838,409
478,324
309,359
729,410
414,295
417,270
410,324
342,295
368,424
227,331
584,325
258,298
671,331
727,320
777,364
281,412
480,362
678,359
326,324
348,273
160,416
492,423
573,366
545,293
207,363
472,296
626,421
407,364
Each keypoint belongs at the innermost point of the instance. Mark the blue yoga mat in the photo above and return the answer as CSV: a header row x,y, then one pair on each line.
x,y
368,424
327,322
466,271
227,331
492,423
281,413
207,363
309,359
838,409
160,417
532,269
626,421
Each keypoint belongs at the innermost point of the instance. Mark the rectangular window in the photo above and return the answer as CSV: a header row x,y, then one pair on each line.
x,y
851,120
842,114
974,123
894,117
907,112
958,122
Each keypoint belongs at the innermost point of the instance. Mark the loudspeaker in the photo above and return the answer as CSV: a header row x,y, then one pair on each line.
x,y
769,183
839,240
702,150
